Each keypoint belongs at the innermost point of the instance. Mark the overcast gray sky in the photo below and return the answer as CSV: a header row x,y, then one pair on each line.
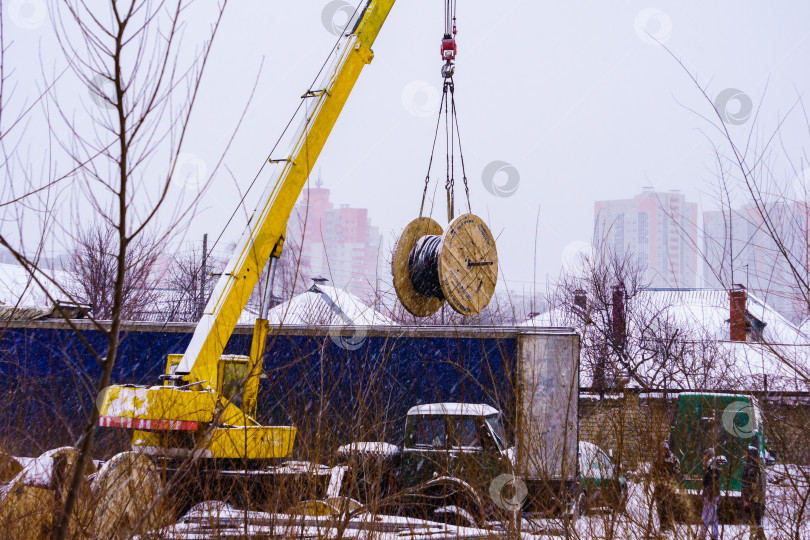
x,y
575,96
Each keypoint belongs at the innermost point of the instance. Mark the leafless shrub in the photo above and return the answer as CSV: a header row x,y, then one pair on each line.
x,y
123,151
93,264
188,284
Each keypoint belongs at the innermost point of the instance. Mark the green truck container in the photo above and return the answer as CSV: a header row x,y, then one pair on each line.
x,y
728,424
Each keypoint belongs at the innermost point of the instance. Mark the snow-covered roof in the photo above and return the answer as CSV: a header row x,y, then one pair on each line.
x,y
704,309
323,305
17,286
711,309
553,317
24,313
698,319
786,366
453,409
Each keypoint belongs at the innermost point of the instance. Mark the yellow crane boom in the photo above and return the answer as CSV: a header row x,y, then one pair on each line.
x,y
196,395
269,220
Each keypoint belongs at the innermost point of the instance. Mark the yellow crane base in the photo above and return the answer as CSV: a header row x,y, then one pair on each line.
x,y
156,407
249,442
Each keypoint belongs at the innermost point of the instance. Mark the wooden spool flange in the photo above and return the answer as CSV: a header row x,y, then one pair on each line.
x,y
467,266
416,304
32,500
123,490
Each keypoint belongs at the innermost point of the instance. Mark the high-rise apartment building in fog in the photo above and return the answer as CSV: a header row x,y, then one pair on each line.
x,y
339,244
658,228
740,248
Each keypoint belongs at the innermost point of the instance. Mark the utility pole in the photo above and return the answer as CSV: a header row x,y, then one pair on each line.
x,y
203,276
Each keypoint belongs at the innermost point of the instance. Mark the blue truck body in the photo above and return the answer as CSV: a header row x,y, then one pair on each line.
x,y
332,392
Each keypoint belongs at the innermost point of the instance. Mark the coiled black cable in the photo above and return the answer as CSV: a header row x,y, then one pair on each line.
x,y
423,266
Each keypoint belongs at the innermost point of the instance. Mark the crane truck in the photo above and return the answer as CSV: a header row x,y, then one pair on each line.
x,y
205,407
192,413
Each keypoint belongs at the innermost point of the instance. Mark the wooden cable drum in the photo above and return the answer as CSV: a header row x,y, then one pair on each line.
x,y
123,489
460,266
9,467
30,503
416,303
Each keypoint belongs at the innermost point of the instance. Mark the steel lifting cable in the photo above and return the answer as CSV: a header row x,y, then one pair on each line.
x,y
448,183
452,135
432,152
449,16
447,108
460,153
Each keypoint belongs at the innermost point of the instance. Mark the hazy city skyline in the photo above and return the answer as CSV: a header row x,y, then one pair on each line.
x,y
740,250
570,103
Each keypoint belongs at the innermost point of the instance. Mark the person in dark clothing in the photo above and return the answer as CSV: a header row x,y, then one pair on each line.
x,y
710,495
753,493
666,482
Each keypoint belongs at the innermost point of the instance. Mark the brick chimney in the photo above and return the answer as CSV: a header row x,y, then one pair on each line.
x,y
737,296
619,317
581,299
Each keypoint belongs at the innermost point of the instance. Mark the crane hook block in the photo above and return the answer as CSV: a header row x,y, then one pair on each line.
x,y
449,48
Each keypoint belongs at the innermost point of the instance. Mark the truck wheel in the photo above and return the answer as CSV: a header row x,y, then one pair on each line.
x,y
450,493
453,515
620,507
574,511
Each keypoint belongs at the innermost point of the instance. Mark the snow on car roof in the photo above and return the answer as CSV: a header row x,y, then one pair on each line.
x,y
453,409
713,394
588,451
374,448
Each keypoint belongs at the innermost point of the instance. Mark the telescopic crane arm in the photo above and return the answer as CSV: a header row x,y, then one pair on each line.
x,y
268,223
194,396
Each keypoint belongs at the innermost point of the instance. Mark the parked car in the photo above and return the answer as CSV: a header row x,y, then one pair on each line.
x,y
601,484
455,465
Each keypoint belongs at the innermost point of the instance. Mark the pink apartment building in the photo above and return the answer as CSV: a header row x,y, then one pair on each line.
x,y
658,228
338,243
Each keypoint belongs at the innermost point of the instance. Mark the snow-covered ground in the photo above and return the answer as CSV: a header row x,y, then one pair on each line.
x,y
223,521
781,521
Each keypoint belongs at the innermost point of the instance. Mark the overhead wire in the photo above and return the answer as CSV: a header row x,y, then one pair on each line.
x,y
289,123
